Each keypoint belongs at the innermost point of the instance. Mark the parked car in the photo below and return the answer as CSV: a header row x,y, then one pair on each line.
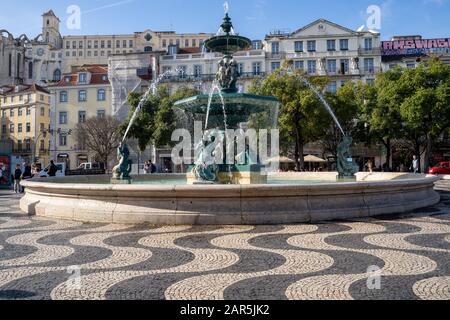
x,y
442,168
88,168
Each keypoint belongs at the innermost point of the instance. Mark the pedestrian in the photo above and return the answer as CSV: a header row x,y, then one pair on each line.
x,y
415,165
370,165
147,167
152,167
17,175
52,169
26,174
1,175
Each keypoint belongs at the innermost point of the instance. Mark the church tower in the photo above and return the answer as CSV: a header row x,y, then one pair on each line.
x,y
50,29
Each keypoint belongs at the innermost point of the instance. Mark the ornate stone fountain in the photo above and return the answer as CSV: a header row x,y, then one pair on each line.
x,y
227,110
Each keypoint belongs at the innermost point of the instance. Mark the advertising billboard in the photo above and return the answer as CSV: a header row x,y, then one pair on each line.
x,y
5,172
415,47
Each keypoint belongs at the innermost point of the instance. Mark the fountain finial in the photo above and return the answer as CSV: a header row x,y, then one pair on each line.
x,y
227,25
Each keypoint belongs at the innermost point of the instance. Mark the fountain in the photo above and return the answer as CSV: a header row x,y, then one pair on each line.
x,y
226,109
240,191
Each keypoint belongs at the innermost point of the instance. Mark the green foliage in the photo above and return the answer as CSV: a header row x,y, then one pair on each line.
x,y
157,120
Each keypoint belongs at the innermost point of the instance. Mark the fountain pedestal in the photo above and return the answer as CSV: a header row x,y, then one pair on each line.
x,y
235,174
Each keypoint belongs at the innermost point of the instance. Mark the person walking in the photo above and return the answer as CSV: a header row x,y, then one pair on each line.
x,y
415,165
147,168
17,175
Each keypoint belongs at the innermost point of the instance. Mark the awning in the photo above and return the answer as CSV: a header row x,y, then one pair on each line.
x,y
63,155
313,159
280,160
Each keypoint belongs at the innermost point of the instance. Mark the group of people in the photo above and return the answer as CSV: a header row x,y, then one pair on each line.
x,y
28,172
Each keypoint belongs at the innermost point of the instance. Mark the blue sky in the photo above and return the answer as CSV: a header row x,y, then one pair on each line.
x,y
252,18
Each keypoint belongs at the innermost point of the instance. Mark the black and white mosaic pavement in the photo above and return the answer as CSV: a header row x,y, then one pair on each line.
x,y
401,257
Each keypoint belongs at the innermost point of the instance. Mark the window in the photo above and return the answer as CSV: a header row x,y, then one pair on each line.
x,y
89,45
200,43
331,66
95,53
63,117
19,128
102,53
331,45
42,145
101,114
42,111
63,96
332,87
57,75
369,65
68,45
74,53
96,44
311,66
82,96
164,43
311,45
4,128
177,42
256,45
109,44
62,140
21,98
41,127
102,44
11,113
186,43
81,116
182,71
74,44
343,44
344,66
80,53
80,44
101,95
28,111
124,43
28,97
105,77
19,112
11,127
256,68
130,43
3,113
298,45
198,71
275,47
28,144
194,43
28,127
240,68
368,45
118,43
149,49
82,78
67,53
275,65
19,145
41,97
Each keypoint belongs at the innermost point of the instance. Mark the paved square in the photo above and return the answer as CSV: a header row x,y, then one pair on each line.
x,y
41,259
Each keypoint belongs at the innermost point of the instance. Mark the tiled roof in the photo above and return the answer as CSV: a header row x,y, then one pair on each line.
x,y
97,72
7,90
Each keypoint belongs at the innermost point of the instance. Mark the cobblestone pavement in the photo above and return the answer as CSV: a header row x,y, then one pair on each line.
x,y
401,257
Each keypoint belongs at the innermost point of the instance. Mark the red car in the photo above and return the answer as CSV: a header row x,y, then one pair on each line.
x,y
443,168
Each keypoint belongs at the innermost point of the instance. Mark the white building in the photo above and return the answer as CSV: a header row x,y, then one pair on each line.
x,y
324,48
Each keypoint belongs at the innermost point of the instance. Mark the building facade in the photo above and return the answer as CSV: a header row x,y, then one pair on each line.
x,y
25,120
78,96
324,48
90,49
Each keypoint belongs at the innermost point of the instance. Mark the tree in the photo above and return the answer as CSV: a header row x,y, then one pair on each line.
x,y
157,120
414,104
99,136
302,117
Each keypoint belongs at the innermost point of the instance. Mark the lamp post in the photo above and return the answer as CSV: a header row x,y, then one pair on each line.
x,y
41,134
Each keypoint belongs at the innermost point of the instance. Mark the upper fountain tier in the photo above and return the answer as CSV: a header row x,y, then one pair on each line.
x,y
227,42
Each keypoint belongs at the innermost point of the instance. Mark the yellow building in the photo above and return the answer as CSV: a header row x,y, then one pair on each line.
x,y
80,95
25,119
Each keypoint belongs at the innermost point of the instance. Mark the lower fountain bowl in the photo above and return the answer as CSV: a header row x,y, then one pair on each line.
x,y
95,199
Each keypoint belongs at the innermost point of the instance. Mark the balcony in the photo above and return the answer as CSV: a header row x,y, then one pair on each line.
x,y
369,52
207,77
276,56
371,70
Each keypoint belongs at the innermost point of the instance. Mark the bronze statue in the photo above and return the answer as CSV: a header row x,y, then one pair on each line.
x,y
345,165
123,169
